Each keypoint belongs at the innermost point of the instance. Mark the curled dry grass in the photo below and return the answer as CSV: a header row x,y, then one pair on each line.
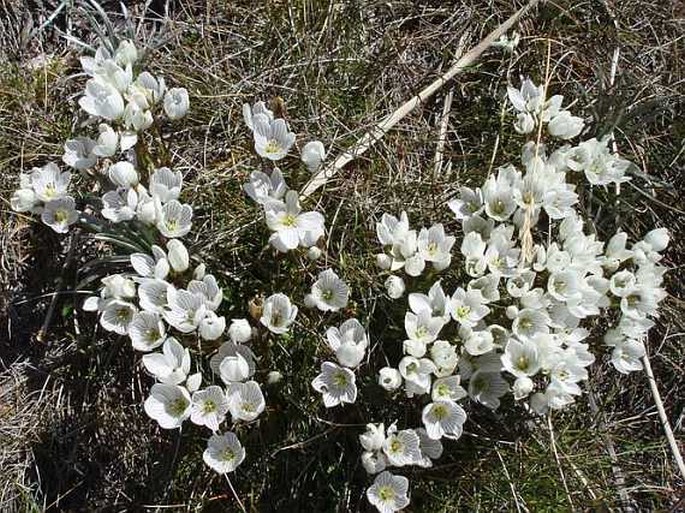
x,y
74,436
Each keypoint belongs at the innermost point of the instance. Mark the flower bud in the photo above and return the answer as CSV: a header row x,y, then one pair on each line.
x,y
313,253
212,326
658,239
240,331
273,377
178,256
383,261
395,287
523,386
389,378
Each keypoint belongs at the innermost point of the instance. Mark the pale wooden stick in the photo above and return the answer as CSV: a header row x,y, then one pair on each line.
x,y
378,131
442,136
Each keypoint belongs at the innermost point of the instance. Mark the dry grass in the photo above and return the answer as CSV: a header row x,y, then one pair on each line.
x,y
73,436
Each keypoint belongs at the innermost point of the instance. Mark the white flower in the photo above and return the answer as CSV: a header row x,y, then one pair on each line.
x,y
373,437
172,365
49,183
118,286
430,449
388,493
313,154
444,356
329,292
184,310
290,225
658,239
448,389
421,329
530,321
123,174
468,307
374,462
102,99
224,453
402,448
78,153
25,200
434,246
233,362
240,331
177,255
263,188
117,316
479,342
152,294
166,184
147,90
598,162
169,405
146,331
313,254
278,313
487,387
258,108
245,401
137,119
522,387
211,326
209,407
208,289
394,286
119,205
107,142
565,126
626,356
175,219
417,374
529,98
622,283
59,214
390,379
469,203
521,358
349,342
176,102
435,302
272,138
336,384
443,418
126,53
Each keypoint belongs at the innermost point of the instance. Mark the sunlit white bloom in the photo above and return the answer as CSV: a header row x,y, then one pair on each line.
x,y
313,154
329,292
627,355
118,286
390,379
25,200
417,374
184,310
137,119
391,230
479,342
59,214
487,387
506,43
448,389
336,384
520,358
349,342
110,73
147,90
224,453
658,239
166,184
394,286
473,248
193,382
469,203
468,307
146,209
49,183
245,401
258,108
209,290
422,328
126,53
374,436
209,407
522,387
123,174
430,449
444,356
529,321
169,405
435,302
402,447
600,165
175,219
233,362
278,313
240,331
119,205
565,126
107,142
117,316
524,124
622,283
155,266
388,493
272,138
172,365
263,188
529,98
176,102
443,418
78,153
152,294
146,331
211,326
290,225
102,99
374,462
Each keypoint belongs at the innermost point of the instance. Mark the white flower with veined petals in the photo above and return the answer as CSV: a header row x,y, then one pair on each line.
x,y
521,358
374,462
49,183
209,289
626,356
78,153
176,102
443,418
209,407
444,356
373,437
436,302
172,365
118,286
228,362
126,53
153,294
123,174
388,492
175,219
402,447
169,405
390,379
211,326
394,286
146,331
336,384
434,246
240,331
117,315
245,401
487,387
348,342
166,184
565,126
313,154
272,138
290,225
468,307
278,313
185,310
479,342
224,453
263,188
448,389
430,449
329,292
59,214
102,99
25,200
530,321
421,329
178,256
417,374
119,205
258,108
107,142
